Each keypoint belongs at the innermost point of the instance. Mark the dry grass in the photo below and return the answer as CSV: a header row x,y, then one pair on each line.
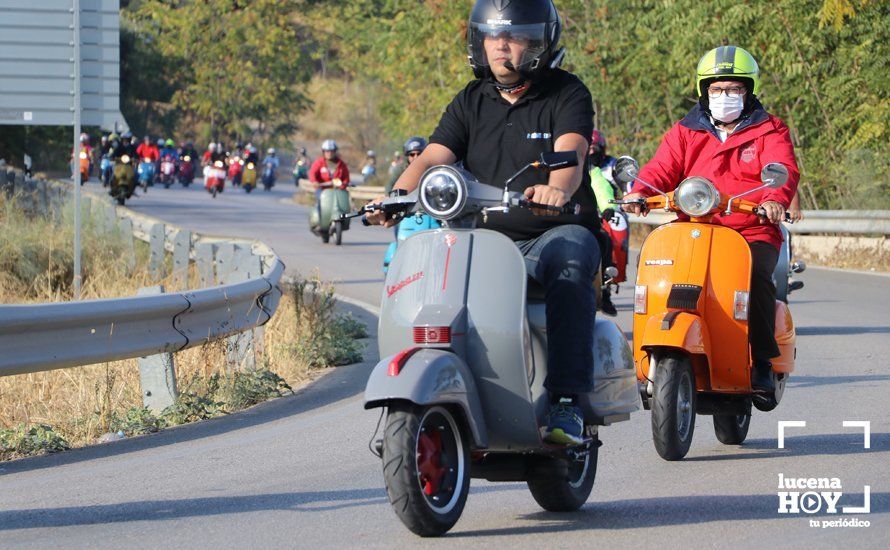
x,y
81,404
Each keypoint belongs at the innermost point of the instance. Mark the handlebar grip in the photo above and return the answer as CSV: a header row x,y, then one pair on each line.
x,y
568,208
759,211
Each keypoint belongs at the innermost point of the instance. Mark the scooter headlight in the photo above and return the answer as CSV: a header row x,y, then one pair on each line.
x,y
125,159
187,158
696,196
443,192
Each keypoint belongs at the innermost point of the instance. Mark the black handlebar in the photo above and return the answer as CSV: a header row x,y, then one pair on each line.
x,y
568,208
760,211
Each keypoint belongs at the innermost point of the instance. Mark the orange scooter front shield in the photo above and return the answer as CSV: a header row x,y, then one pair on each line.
x,y
716,259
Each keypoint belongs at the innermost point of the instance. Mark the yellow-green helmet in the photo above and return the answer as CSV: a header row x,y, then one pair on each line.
x,y
727,63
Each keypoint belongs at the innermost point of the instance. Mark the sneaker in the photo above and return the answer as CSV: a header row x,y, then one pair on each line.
x,y
761,377
565,424
606,305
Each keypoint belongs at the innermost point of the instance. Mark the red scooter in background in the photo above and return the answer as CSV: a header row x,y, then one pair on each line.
x,y
236,168
168,171
215,177
186,170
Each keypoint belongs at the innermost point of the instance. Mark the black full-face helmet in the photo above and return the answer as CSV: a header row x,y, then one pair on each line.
x,y
534,22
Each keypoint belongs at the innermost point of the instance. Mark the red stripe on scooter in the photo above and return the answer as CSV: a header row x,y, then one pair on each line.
x,y
447,263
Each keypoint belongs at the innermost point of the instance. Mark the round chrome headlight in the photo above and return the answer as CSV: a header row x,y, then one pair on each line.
x,y
442,192
696,196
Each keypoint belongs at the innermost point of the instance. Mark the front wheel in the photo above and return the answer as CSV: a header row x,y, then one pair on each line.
x,y
214,191
570,494
426,460
673,407
731,429
325,236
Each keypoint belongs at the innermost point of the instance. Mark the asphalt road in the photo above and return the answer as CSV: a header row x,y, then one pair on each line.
x,y
296,472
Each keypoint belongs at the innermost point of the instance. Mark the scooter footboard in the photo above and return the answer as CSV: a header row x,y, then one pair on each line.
x,y
429,377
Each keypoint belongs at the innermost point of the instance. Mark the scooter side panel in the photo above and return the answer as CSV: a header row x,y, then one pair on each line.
x,y
430,377
327,200
614,381
786,337
498,339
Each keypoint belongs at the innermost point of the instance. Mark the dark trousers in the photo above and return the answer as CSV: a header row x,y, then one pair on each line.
x,y
762,302
564,260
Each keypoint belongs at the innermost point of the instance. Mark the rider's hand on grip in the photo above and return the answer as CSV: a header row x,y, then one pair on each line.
x,y
549,201
772,211
635,203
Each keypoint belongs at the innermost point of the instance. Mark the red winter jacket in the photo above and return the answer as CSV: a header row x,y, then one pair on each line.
x,y
691,148
148,152
320,173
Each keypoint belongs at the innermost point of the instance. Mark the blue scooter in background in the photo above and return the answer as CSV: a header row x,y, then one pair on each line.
x,y
146,173
406,228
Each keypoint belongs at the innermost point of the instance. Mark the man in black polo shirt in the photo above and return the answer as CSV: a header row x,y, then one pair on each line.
x,y
520,106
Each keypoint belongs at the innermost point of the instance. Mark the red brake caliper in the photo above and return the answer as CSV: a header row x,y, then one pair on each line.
x,y
429,464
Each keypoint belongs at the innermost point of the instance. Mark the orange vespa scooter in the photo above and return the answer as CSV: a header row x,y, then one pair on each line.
x,y
690,328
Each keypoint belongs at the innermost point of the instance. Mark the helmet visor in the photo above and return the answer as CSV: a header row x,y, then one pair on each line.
x,y
531,38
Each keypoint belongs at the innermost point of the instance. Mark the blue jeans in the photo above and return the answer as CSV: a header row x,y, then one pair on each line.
x,y
564,260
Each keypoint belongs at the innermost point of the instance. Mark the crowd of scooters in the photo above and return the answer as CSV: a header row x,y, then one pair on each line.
x,y
123,165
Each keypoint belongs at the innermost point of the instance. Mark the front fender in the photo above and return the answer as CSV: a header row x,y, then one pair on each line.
x,y
678,330
430,377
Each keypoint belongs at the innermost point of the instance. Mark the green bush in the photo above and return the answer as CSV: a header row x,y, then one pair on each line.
x,y
250,387
26,440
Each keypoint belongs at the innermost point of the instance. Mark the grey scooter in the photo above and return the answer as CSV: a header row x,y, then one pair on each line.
x,y
463,339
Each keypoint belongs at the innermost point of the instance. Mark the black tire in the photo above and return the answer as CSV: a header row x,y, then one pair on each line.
x,y
570,494
428,506
337,230
673,407
213,191
248,188
121,200
325,236
768,402
731,429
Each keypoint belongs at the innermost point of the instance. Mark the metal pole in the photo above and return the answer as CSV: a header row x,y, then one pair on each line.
x,y
76,157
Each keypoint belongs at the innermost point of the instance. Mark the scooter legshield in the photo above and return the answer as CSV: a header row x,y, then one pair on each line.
x,y
429,377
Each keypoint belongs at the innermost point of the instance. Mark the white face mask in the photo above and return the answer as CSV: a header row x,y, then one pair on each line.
x,y
725,108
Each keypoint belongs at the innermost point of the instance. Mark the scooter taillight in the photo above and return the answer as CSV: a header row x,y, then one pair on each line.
x,y
398,361
432,335
640,296
740,306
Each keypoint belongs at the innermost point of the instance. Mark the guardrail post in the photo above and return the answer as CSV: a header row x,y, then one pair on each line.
x,y
10,182
240,348
157,374
110,217
42,198
126,228
225,259
156,236
204,263
182,243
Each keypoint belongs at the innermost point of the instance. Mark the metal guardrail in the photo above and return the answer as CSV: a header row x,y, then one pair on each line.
x,y
43,337
840,222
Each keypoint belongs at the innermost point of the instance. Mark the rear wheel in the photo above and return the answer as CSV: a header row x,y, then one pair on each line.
x,y
426,461
337,232
731,429
673,407
570,494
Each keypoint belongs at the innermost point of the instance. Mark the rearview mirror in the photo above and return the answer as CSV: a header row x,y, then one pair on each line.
x,y
626,170
558,160
774,175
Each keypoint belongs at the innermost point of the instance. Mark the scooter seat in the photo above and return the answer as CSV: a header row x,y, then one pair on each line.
x,y
534,291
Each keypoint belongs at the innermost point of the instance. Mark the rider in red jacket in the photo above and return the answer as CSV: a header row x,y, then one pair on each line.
x,y
148,150
329,166
727,138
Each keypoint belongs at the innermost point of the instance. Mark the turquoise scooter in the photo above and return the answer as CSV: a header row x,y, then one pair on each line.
x,y
325,219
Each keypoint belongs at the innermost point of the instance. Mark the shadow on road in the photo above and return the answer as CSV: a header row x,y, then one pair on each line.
x,y
840,331
160,510
807,381
808,445
664,511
